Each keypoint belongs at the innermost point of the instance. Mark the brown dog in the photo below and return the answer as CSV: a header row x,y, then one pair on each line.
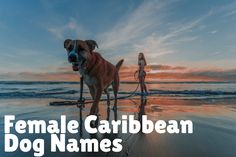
x,y
97,73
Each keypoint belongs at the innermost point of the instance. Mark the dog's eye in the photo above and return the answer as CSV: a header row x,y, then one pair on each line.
x,y
70,48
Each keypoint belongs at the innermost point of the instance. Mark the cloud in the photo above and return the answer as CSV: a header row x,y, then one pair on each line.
x,y
43,76
165,67
133,28
140,31
154,73
72,26
178,73
227,10
213,32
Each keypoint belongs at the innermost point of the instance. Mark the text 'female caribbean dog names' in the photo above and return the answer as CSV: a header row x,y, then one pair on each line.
x,y
58,129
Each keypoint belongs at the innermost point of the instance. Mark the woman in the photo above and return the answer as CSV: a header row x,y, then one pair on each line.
x,y
141,72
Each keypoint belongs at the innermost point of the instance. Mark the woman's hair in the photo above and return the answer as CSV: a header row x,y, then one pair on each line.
x,y
142,58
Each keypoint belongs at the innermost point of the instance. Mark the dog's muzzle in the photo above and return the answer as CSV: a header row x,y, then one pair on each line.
x,y
76,60
72,58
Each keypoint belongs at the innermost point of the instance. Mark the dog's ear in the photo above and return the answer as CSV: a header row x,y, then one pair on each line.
x,y
66,42
91,44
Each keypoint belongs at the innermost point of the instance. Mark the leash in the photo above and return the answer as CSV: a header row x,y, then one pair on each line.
x,y
81,102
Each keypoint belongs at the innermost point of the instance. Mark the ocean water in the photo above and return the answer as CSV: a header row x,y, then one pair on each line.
x,y
211,107
70,90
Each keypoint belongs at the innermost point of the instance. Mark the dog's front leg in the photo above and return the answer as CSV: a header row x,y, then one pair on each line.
x,y
98,93
92,92
108,97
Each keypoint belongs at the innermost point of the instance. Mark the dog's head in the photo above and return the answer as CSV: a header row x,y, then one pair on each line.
x,y
79,51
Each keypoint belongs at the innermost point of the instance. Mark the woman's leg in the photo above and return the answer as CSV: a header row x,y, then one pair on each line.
x,y
141,83
144,85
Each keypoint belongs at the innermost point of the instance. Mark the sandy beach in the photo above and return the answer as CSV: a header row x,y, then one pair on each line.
x,y
214,125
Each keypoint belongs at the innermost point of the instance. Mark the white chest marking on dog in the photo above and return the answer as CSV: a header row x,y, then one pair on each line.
x,y
87,79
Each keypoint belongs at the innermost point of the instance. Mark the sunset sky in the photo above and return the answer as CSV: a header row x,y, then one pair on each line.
x,y
182,39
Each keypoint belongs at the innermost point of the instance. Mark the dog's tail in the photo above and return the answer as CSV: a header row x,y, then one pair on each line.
x,y
118,65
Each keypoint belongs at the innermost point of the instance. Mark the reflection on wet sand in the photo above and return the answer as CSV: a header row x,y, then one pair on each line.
x,y
214,125
143,102
170,107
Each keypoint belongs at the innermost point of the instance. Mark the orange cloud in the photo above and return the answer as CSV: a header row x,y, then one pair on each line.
x,y
165,67
154,73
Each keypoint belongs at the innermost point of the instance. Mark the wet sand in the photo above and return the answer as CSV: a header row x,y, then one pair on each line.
x,y
214,126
